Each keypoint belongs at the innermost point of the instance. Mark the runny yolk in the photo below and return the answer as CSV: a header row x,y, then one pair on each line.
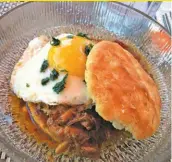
x,y
69,55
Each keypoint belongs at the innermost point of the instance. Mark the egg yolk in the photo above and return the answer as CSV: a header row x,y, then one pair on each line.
x,y
69,55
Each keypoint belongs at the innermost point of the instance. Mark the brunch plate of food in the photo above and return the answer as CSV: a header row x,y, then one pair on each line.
x,y
84,82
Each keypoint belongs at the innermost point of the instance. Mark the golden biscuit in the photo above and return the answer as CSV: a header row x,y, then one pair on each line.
x,y
123,92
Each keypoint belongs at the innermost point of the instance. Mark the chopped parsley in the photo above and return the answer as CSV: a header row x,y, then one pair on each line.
x,y
54,42
45,81
88,49
58,87
27,85
82,35
44,66
70,36
63,70
54,75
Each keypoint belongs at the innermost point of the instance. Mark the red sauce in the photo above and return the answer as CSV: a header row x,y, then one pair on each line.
x,y
22,118
162,40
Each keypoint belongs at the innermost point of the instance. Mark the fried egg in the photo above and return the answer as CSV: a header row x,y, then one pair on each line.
x,y
68,57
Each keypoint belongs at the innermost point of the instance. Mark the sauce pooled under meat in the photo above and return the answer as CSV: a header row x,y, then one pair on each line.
x,y
66,128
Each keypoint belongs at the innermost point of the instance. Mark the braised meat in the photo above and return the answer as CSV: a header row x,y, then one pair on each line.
x,y
74,127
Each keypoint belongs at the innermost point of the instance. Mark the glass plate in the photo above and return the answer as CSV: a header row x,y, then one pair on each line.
x,y
100,20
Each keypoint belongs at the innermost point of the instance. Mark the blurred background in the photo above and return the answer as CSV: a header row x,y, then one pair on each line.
x,y
160,11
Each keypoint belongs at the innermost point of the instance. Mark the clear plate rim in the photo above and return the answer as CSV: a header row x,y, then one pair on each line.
x,y
137,11
129,7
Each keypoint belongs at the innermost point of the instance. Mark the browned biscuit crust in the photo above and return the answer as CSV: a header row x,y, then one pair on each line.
x,y
122,90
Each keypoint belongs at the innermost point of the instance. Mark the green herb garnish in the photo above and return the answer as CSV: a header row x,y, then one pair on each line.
x,y
54,75
88,49
44,66
54,42
60,85
70,36
27,85
45,81
63,70
82,35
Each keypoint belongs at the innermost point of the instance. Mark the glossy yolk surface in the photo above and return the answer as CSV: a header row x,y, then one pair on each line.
x,y
69,56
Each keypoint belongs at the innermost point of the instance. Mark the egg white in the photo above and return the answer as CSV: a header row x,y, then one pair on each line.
x,y
74,92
